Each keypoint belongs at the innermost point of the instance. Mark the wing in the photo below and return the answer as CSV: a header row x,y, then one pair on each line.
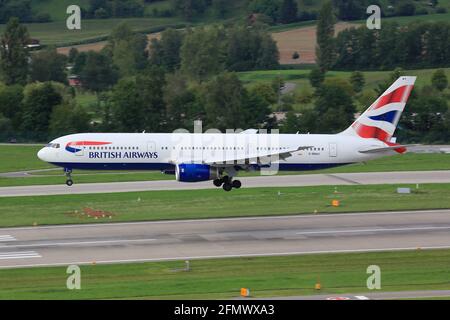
x,y
253,158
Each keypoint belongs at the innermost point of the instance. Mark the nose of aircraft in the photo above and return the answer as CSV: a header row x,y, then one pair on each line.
x,y
43,154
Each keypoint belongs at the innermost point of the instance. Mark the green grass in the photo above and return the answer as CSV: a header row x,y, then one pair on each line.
x,y
300,77
57,8
20,157
56,33
223,278
189,204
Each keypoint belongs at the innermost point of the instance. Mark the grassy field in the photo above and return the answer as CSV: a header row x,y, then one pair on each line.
x,y
213,203
223,278
18,158
56,33
300,77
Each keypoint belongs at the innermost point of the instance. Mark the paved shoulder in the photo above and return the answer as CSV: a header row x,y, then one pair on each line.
x,y
249,182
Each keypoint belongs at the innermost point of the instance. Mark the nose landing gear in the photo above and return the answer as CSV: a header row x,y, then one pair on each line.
x,y
227,183
69,180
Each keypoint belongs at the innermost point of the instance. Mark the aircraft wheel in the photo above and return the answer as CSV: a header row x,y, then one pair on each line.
x,y
227,187
69,182
218,182
236,184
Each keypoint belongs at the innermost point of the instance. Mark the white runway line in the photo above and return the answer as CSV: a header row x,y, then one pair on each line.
x,y
373,230
7,237
19,255
81,243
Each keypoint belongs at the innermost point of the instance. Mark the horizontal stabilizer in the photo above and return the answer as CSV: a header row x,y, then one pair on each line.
x,y
396,147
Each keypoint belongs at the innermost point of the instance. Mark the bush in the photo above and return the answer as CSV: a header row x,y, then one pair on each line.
x,y
101,13
421,11
406,8
441,10
42,17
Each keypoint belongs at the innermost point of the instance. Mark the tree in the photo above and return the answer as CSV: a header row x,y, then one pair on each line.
x,y
250,49
316,77
406,8
222,98
325,49
166,51
350,9
288,11
38,103
128,112
334,106
13,53
202,53
439,80
98,73
269,8
11,101
137,103
48,65
68,118
128,49
73,54
357,80
189,8
180,101
219,8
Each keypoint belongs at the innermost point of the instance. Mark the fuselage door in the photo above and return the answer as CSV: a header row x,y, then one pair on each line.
x,y
333,149
81,150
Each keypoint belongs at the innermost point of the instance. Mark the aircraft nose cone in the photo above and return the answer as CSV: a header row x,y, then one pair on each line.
x,y
42,154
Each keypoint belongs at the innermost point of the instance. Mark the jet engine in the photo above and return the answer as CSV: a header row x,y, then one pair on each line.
x,y
191,172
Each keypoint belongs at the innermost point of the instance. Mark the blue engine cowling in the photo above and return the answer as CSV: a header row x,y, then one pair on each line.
x,y
191,172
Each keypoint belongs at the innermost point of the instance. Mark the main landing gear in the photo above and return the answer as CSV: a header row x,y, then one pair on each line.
x,y
69,180
227,183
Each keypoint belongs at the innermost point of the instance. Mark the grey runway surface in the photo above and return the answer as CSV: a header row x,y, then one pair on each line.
x,y
372,295
219,238
247,182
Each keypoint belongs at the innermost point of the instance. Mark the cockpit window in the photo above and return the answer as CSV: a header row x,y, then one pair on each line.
x,y
52,145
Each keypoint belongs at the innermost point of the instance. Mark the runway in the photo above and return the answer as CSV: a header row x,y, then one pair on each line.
x,y
219,238
247,182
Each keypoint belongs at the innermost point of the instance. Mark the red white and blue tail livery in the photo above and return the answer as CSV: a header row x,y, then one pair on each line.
x,y
194,157
381,119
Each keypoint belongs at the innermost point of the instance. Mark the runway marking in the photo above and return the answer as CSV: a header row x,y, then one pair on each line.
x,y
19,255
374,230
7,237
242,255
362,298
206,220
78,243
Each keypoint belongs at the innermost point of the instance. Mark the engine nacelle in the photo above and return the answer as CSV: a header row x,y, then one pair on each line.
x,y
191,172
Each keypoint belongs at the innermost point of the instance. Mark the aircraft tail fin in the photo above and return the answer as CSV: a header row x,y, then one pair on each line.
x,y
380,120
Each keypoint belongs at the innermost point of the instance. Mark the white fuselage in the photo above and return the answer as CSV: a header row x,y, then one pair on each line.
x,y
162,151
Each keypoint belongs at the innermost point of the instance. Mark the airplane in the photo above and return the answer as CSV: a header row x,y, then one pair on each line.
x,y
219,157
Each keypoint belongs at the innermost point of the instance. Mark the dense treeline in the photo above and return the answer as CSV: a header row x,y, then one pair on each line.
x,y
183,76
416,45
426,118
102,9
21,9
